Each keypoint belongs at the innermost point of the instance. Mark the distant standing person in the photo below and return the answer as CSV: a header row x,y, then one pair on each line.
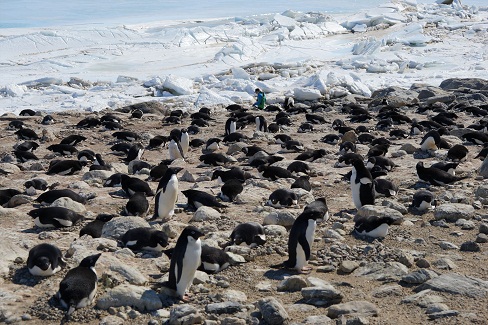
x,y
261,99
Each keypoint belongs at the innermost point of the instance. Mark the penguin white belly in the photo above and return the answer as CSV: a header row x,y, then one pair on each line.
x,y
38,223
424,206
65,172
380,231
37,271
131,243
429,144
174,152
191,261
213,146
232,127
185,143
64,222
167,200
30,191
309,235
211,267
355,190
88,300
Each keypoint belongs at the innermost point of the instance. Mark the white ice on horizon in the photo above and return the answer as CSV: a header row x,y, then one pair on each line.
x,y
222,61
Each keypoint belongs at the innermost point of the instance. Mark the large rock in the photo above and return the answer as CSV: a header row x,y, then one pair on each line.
x,y
117,227
11,249
141,298
390,271
205,213
282,218
470,83
272,311
364,308
451,212
482,193
326,293
457,284
66,202
185,315
483,171
292,284
380,211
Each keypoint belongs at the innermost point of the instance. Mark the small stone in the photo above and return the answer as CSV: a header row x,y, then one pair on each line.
x,y
387,290
317,320
482,238
451,212
285,219
275,230
327,292
406,259
187,177
364,308
292,284
436,308
484,228
228,307
423,263
184,314
205,213
326,269
409,148
465,224
470,246
272,311
440,223
419,277
445,264
348,266
447,245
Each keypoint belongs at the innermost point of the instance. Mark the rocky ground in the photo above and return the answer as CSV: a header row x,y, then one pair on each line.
x,y
431,266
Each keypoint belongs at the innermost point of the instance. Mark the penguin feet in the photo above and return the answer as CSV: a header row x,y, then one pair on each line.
x,y
305,270
186,297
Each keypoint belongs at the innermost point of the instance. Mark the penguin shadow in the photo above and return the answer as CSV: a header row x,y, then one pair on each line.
x,y
420,185
118,194
279,274
366,238
22,276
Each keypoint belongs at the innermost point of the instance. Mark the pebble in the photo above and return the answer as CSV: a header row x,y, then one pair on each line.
x,y
484,228
205,213
451,212
347,267
482,238
444,263
447,245
364,308
387,290
292,284
470,246
423,263
442,314
228,307
272,311
184,314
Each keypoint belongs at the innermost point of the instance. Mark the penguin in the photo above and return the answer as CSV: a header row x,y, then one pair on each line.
x,y
136,113
302,182
267,160
252,150
430,141
126,136
435,176
136,166
55,217
483,152
94,228
174,147
47,120
24,156
65,167
398,134
27,112
79,286
362,129
311,155
198,198
300,242
293,146
157,142
213,144
423,200
225,175
132,185
205,110
137,205
315,119
273,128
274,172
145,238
214,159
378,150
112,126
50,196
89,122
109,118
86,155
200,122
213,259
27,146
385,187
99,163
319,207
45,260
230,126
7,194
373,226
298,167
457,153
331,139
282,138
249,234
121,148
185,261
366,138
196,143
305,127
416,128
26,134
35,184
447,167
337,123
63,149
289,103
230,190
157,172
172,120
184,141
167,194
135,152
347,159
282,198
362,186
114,180
347,147
235,137
193,129
15,125
261,124
383,162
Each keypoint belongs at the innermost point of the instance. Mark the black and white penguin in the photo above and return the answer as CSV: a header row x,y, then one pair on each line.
x,y
385,187
114,180
383,162
214,159
449,167
7,194
198,198
475,137
331,139
235,137
94,228
50,196
79,286
145,238
135,152
230,126
137,205
430,141
27,146
282,138
273,128
302,182
213,144
132,185
483,152
230,190
288,103
282,198
423,200
15,125
167,194
136,113
65,167
35,184
109,118
319,207
305,127
89,122
63,149
136,166
45,260
121,148
26,134
174,148
293,146
311,155
185,141
314,118
416,128
347,147
193,129
47,120
274,172
157,141
373,226
261,124
300,241
362,186
435,176
185,261
112,126
298,167
457,153
223,176
378,150
172,120
249,234
23,156
252,150
126,136
99,163
366,138
55,217
347,159
214,260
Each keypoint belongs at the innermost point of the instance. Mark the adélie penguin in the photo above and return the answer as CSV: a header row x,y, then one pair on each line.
x,y
249,234
167,194
230,190
373,226
423,200
300,242
319,207
79,286
145,238
137,205
174,147
214,259
55,217
430,141
94,228
435,176
185,261
45,260
132,185
362,186
198,198
281,198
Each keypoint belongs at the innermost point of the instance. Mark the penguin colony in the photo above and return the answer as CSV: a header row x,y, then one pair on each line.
x,y
244,147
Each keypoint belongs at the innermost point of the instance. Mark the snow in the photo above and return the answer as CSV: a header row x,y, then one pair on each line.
x,y
219,61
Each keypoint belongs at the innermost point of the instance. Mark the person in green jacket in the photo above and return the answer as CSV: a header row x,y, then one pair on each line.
x,y
261,99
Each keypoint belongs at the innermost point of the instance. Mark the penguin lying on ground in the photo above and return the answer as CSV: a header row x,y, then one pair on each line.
x,y
198,198
230,190
94,228
137,205
282,198
45,260
435,176
373,226
249,233
423,200
145,238
55,217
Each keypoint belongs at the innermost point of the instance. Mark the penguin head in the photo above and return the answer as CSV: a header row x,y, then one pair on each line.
x,y
43,263
161,238
90,261
175,170
104,217
259,239
420,164
192,232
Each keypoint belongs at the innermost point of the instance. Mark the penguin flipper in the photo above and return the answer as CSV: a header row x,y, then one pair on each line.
x,y
302,240
365,180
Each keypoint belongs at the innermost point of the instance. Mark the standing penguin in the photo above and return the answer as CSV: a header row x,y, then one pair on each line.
x,y
261,124
79,286
184,141
135,152
300,241
362,186
174,147
45,260
167,194
430,141
230,125
137,205
185,260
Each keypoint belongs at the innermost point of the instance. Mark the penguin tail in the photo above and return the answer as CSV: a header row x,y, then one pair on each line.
x,y
278,266
71,309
